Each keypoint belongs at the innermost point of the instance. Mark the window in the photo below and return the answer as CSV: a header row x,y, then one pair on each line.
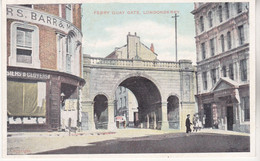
x,y
224,71
231,71
241,34
227,10
246,108
213,76
243,69
222,43
212,47
69,12
204,79
203,51
220,14
210,19
229,40
69,53
125,101
201,24
26,100
239,7
24,45
27,5
121,103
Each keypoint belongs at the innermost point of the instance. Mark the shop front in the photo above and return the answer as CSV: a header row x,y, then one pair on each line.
x,y
42,100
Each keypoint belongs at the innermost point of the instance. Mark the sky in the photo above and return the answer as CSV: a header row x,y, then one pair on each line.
x,y
102,33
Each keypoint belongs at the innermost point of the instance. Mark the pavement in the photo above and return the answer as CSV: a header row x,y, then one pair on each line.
x,y
22,143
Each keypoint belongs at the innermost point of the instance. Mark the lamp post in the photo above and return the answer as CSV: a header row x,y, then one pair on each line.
x,y
175,17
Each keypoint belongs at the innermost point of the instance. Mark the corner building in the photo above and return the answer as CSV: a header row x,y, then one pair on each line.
x,y
222,42
44,67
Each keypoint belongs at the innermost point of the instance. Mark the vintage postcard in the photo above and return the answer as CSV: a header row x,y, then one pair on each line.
x,y
128,78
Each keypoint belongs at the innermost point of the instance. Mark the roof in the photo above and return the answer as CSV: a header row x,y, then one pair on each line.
x,y
225,83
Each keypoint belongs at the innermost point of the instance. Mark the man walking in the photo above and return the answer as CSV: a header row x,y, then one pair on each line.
x,y
188,123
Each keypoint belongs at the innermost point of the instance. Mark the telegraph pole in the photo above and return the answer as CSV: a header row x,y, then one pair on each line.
x,y
175,17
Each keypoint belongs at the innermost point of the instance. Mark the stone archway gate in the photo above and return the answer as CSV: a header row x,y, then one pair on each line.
x,y
103,76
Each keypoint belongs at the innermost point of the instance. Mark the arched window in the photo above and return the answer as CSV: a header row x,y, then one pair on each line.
x,y
220,13
210,19
201,24
70,46
227,10
222,43
229,40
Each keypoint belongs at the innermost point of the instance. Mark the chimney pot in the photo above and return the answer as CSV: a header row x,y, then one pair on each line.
x,y
152,47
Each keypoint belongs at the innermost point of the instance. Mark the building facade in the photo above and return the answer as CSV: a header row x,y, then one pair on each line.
x,y
126,106
44,67
222,47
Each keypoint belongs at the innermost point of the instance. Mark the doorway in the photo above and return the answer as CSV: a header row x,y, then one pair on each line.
x,y
208,115
230,118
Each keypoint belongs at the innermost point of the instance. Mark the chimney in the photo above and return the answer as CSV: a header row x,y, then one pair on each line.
x,y
152,47
135,33
128,33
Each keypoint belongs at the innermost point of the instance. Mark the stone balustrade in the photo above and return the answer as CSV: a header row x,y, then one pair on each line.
x,y
96,61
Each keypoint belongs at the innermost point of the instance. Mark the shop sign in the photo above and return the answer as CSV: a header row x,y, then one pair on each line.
x,y
27,75
34,16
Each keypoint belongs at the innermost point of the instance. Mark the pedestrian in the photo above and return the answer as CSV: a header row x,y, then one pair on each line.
x,y
204,121
194,122
188,123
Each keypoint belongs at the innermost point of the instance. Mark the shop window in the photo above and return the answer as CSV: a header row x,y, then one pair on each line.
x,y
69,12
243,70
213,76
222,40
246,108
227,10
204,79
241,34
239,7
224,71
26,100
201,24
210,19
203,51
229,40
231,71
24,45
212,47
220,14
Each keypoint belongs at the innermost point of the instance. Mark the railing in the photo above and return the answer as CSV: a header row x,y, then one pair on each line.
x,y
136,63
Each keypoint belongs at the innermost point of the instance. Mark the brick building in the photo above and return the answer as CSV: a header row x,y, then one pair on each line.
x,y
222,42
44,66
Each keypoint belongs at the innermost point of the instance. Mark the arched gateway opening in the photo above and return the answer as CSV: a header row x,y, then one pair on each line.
x,y
100,112
149,103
